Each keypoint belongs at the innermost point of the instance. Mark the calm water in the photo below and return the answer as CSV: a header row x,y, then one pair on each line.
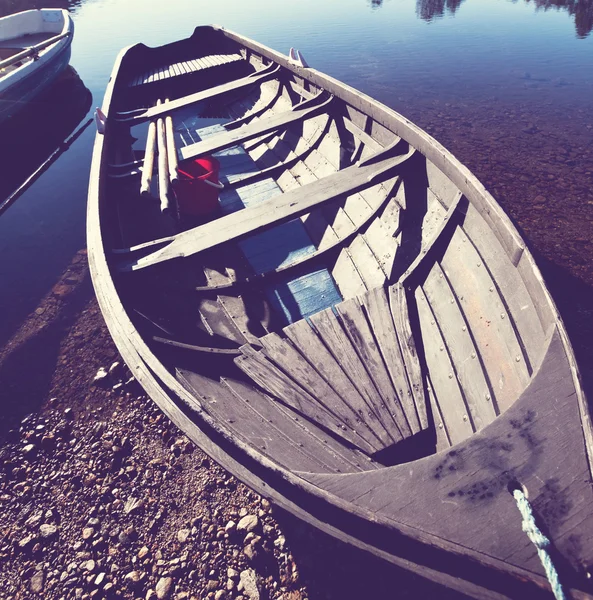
x,y
506,86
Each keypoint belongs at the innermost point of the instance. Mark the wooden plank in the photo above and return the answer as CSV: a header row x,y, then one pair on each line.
x,y
283,208
366,263
377,308
521,306
250,321
149,154
401,319
364,137
442,375
382,244
316,443
487,317
251,131
464,354
334,337
217,321
309,344
303,371
346,276
265,374
137,116
361,337
442,438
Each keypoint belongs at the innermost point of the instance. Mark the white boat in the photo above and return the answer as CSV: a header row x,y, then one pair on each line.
x,y
34,50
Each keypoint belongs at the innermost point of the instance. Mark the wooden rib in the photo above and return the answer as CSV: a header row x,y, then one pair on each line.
x,y
265,374
464,355
333,336
309,344
442,375
376,305
193,347
364,137
488,319
302,370
209,94
398,304
361,337
254,130
332,454
277,210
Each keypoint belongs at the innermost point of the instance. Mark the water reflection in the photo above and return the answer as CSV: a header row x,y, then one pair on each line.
x,y
581,10
48,121
374,4
8,7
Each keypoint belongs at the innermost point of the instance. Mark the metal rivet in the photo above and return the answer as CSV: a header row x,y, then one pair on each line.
x,y
441,275
502,315
441,348
479,264
440,425
473,355
450,375
452,300
464,328
487,396
432,322
465,417
491,289
518,359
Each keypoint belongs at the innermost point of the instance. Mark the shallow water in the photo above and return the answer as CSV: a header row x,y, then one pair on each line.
x,y
506,86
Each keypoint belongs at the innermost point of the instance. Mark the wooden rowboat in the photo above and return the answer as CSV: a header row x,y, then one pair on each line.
x,y
356,330
34,50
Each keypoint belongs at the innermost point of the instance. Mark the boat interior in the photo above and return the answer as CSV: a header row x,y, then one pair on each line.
x,y
340,305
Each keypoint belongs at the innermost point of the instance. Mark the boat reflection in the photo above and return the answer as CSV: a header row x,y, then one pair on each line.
x,y
32,140
580,10
8,7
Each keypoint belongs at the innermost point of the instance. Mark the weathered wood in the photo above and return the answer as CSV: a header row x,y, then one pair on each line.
x,y
376,304
398,304
163,165
148,165
334,337
253,130
194,348
141,115
33,50
366,263
362,338
275,211
171,150
303,371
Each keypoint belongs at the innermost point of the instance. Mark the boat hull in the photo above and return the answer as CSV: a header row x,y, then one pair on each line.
x,y
400,512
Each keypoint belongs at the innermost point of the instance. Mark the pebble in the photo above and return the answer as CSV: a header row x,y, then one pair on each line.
x,y
247,524
29,449
89,565
101,374
163,587
87,533
248,584
134,577
48,531
182,535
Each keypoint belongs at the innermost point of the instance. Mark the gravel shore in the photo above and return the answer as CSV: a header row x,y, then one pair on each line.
x,y
102,497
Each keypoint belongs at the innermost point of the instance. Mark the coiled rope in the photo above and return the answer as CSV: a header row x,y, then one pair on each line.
x,y
540,541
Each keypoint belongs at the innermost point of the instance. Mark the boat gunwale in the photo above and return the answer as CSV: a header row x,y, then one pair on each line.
x,y
162,386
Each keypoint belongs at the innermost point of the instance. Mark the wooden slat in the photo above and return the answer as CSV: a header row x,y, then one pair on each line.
x,y
334,337
376,305
346,276
251,131
309,344
442,437
265,374
241,313
366,263
316,443
209,94
442,375
218,323
464,355
488,320
361,337
291,361
279,209
401,319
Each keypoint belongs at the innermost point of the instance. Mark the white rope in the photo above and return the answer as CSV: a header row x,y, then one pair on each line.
x,y
540,541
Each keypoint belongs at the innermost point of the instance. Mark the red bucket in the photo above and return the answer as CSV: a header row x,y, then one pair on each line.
x,y
194,195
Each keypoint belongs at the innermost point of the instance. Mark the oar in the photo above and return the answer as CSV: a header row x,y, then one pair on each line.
x,y
32,50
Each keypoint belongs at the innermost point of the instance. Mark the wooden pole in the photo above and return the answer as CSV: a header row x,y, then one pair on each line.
x,y
148,166
32,50
171,150
163,165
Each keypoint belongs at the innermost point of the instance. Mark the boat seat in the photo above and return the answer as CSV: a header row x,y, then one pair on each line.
x,y
352,369
276,430
183,68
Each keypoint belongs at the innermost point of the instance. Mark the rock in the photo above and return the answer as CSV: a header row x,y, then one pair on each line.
x,y
114,367
143,552
220,595
232,574
132,505
37,582
101,375
151,595
133,578
211,585
280,542
26,541
87,533
182,535
163,587
99,579
29,449
48,531
248,584
89,565
230,527
247,524
34,520
250,552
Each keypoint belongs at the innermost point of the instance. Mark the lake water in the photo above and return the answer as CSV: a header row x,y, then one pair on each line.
x,y
506,86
